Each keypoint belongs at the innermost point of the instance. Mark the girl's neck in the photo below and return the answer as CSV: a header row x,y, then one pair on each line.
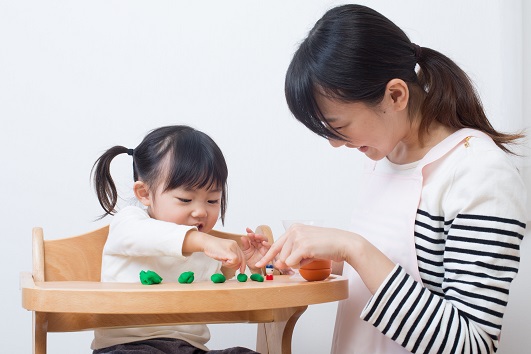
x,y
413,149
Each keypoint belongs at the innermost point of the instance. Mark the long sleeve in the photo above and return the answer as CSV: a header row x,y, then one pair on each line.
x,y
137,242
134,233
468,246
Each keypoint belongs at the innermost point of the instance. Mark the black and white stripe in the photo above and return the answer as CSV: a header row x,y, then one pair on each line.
x,y
468,230
466,265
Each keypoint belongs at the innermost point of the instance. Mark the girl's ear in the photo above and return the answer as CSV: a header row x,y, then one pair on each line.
x,y
398,92
142,193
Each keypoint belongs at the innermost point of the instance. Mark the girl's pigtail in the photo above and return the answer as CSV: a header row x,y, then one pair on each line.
x,y
103,182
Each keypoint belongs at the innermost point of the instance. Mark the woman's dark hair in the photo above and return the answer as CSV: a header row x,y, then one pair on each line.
x,y
351,54
178,156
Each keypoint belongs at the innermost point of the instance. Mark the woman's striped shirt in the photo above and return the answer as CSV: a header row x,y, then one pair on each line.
x,y
468,229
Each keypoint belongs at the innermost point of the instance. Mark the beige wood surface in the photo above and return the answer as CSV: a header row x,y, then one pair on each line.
x,y
95,297
65,294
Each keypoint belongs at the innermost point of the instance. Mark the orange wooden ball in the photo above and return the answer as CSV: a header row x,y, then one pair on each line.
x,y
319,269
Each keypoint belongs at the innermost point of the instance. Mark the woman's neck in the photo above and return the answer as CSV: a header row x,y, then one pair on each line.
x,y
413,149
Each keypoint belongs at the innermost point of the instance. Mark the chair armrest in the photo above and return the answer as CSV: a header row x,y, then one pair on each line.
x,y
26,280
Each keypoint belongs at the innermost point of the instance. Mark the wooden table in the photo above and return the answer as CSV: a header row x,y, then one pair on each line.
x,y
275,305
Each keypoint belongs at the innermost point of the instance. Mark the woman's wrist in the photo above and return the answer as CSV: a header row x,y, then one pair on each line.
x,y
370,263
350,248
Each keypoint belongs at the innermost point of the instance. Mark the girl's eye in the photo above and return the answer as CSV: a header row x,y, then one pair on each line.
x,y
185,200
213,201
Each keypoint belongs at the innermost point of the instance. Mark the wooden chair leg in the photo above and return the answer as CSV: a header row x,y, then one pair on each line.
x,y
275,337
40,331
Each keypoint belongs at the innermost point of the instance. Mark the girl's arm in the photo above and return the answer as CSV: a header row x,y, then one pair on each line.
x,y
226,251
134,233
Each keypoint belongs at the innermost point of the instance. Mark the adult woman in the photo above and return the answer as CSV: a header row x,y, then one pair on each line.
x,y
434,243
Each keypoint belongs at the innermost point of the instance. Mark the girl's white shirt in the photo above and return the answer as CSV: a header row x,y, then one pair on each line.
x,y
137,242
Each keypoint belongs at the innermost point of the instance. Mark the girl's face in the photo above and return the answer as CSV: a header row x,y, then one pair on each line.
x,y
374,131
192,207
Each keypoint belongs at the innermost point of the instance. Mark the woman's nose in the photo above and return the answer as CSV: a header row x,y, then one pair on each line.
x,y
336,143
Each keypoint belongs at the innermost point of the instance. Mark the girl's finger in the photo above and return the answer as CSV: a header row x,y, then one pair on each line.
x,y
243,264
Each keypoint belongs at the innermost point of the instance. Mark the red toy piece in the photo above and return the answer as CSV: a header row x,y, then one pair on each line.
x,y
269,272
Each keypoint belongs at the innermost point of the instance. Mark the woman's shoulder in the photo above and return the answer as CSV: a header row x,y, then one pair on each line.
x,y
485,179
471,154
478,161
474,169
477,152
482,154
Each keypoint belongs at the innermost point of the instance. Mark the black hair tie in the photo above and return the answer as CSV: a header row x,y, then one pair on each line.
x,y
130,152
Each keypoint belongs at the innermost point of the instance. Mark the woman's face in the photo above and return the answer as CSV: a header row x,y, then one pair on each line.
x,y
374,131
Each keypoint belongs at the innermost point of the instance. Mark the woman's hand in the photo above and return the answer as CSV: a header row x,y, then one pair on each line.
x,y
302,243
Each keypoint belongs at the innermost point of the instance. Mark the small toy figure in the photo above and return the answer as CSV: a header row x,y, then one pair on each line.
x,y
269,272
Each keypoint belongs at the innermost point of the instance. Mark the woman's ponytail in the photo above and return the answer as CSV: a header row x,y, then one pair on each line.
x,y
451,99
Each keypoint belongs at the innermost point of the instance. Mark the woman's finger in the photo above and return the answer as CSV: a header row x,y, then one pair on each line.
x,y
275,248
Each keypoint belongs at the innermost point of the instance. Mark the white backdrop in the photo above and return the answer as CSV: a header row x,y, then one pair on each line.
x,y
77,77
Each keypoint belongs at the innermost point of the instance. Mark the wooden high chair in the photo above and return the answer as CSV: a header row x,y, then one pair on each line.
x,y
65,294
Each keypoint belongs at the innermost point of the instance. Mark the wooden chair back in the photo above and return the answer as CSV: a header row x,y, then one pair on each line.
x,y
75,258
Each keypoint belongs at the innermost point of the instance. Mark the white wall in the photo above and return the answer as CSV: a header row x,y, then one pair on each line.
x,y
77,77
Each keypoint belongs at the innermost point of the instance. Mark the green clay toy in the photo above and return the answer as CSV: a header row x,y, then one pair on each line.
x,y
242,277
218,278
257,277
186,278
149,277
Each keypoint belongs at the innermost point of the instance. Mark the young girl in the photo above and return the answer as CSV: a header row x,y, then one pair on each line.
x,y
435,236
180,178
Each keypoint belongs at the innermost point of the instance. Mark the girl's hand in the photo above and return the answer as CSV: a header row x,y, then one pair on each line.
x,y
226,251
254,247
